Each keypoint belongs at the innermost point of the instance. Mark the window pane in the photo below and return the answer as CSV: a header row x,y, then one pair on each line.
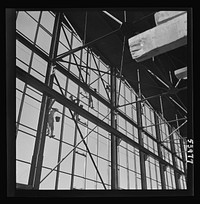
x,y
148,183
79,162
22,172
78,183
24,143
132,180
30,112
34,14
26,25
39,64
47,21
103,169
64,181
44,40
50,152
49,182
90,184
66,164
123,178
22,52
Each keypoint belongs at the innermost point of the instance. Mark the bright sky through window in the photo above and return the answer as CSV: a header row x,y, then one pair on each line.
x,y
77,171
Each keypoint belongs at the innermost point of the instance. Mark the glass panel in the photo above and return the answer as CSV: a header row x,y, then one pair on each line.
x,y
123,178
98,141
103,169
64,181
103,147
47,21
90,184
49,182
22,52
24,143
50,152
132,179
122,156
39,64
66,164
22,172
34,14
30,112
26,25
91,172
44,40
148,183
78,183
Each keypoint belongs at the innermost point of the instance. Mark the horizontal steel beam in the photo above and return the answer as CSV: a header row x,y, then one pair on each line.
x,y
170,92
77,81
32,47
71,76
35,83
174,131
171,121
84,86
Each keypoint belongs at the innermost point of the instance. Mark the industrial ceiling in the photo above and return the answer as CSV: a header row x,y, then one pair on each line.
x,y
110,51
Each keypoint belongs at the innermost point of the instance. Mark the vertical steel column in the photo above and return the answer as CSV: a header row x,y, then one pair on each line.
x,y
76,130
140,137
162,175
174,158
74,156
161,107
98,90
62,125
87,81
182,149
114,168
86,75
37,159
127,162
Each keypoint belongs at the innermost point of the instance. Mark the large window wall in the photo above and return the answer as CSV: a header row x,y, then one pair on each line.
x,y
77,171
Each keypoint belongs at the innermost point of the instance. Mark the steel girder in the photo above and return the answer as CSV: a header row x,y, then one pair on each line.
x,y
35,83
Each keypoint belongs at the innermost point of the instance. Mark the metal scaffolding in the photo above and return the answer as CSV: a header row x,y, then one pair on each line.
x,y
110,100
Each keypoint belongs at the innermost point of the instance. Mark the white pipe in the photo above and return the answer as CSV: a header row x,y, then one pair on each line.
x,y
177,83
114,18
178,104
158,78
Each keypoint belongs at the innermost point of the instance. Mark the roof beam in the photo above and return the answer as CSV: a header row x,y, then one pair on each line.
x,y
163,16
113,17
160,39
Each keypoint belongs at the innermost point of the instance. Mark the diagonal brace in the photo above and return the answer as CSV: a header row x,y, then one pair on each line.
x,y
150,97
101,77
81,135
173,131
78,66
72,51
70,151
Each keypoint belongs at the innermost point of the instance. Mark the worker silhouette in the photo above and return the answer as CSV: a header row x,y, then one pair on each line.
x,y
90,101
50,122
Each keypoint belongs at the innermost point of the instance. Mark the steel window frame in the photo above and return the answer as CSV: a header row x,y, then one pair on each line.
x,y
32,81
